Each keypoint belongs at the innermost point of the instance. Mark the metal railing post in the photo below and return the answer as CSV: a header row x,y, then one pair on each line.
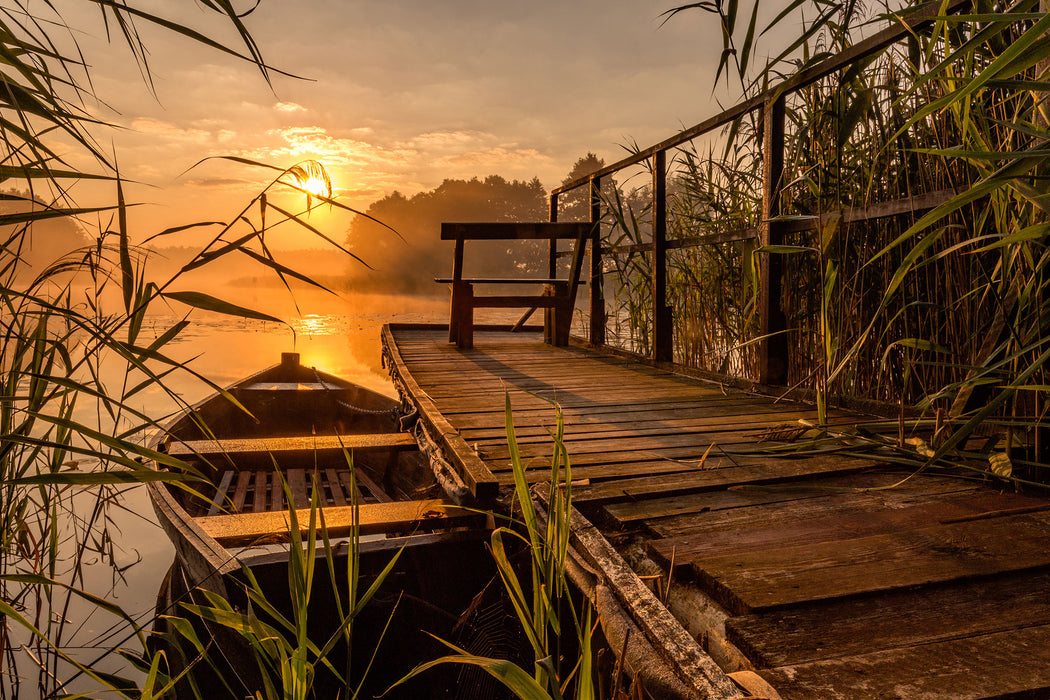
x,y
773,348
552,259
663,329
597,296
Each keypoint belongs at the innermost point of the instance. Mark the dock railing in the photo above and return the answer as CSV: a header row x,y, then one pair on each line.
x,y
773,354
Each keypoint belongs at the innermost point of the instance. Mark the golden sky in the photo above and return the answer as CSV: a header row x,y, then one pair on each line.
x,y
397,95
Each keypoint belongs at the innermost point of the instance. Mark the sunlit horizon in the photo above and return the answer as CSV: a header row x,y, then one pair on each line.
x,y
400,104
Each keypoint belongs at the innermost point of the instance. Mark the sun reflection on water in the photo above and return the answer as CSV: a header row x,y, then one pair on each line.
x,y
318,324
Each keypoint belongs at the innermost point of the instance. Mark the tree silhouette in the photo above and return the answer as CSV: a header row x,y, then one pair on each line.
x,y
411,268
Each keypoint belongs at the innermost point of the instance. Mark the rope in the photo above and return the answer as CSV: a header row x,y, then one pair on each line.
x,y
357,409
444,474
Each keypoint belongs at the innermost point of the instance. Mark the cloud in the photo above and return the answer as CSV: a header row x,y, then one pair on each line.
x,y
163,129
302,142
495,157
447,139
289,107
225,183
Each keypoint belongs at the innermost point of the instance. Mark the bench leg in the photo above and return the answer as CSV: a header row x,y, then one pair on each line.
x,y
549,318
557,320
562,323
453,314
461,325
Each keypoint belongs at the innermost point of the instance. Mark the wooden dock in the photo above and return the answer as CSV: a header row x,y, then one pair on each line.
x,y
819,572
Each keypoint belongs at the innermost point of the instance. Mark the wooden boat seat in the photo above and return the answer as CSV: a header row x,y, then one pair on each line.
x,y
289,452
261,490
372,519
290,386
558,297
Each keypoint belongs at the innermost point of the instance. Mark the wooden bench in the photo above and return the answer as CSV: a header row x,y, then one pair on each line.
x,y
557,298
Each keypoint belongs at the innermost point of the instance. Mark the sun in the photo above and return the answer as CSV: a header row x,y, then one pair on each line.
x,y
318,187
311,177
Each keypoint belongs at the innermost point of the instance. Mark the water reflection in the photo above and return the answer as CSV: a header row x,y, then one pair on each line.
x,y
339,336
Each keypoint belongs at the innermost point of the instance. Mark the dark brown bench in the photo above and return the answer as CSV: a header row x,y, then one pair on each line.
x,y
557,296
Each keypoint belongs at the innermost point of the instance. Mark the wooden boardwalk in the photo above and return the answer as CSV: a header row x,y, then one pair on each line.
x,y
827,583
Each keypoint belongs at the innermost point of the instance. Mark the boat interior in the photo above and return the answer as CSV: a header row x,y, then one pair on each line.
x,y
285,430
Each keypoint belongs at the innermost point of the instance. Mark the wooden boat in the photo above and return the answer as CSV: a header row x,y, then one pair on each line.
x,y
301,424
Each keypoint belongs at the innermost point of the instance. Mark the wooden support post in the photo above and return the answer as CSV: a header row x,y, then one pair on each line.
x,y
1041,439
663,333
773,348
597,297
457,275
552,259
549,317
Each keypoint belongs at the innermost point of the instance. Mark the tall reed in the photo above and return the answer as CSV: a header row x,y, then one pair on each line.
x,y
281,641
71,433
942,310
563,662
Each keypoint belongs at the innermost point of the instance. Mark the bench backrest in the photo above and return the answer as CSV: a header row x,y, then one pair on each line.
x,y
513,231
552,231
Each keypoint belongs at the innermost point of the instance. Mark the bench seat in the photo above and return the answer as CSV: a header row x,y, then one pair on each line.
x,y
505,280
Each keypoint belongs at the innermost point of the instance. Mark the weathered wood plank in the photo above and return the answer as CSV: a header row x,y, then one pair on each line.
x,y
474,473
542,414
704,524
718,475
241,491
222,493
348,481
832,520
451,231
259,502
290,386
842,628
276,493
595,473
1013,664
622,425
338,497
792,575
373,518
375,489
827,493
660,437
298,487
503,280
695,667
310,444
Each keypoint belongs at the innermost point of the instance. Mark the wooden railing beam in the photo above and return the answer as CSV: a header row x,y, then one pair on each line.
x,y
901,29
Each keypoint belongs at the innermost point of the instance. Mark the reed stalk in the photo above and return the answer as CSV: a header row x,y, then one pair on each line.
x,y
542,600
944,310
71,433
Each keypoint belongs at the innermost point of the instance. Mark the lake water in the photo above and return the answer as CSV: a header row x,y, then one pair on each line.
x,y
340,335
